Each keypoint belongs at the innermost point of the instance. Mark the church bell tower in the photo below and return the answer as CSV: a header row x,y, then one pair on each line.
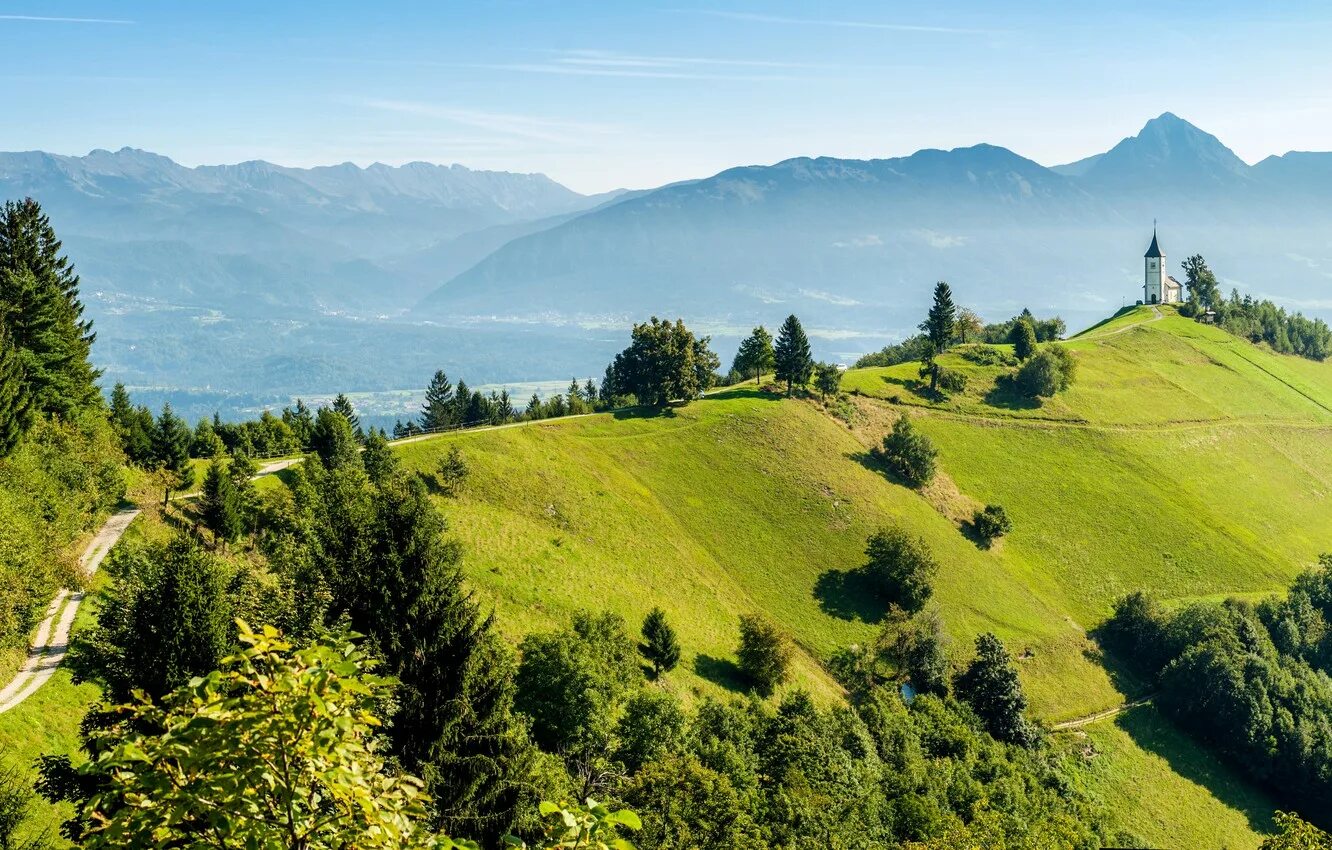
x,y
1153,288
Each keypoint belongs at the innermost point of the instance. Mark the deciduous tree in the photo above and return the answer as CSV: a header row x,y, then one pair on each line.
x,y
756,354
764,653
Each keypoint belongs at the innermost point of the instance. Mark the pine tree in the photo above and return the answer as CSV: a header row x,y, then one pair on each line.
x,y
462,397
660,646
939,327
437,412
533,407
755,355
301,423
15,401
39,304
590,392
220,505
171,449
792,361
343,405
504,411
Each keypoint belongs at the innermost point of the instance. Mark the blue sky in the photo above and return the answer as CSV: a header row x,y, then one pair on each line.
x,y
634,94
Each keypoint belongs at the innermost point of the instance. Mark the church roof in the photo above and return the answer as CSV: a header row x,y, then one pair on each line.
x,y
1155,250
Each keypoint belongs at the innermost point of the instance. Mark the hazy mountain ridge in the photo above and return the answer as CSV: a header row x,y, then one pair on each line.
x,y
829,237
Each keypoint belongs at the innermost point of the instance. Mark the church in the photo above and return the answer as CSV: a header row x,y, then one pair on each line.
x,y
1159,287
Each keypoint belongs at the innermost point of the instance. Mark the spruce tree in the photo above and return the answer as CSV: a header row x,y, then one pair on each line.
x,y
533,407
333,439
343,405
941,323
504,411
171,440
15,401
793,363
660,646
437,412
39,304
301,423
220,505
755,355
462,397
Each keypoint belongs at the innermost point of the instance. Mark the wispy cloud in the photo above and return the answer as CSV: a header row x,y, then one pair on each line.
x,y
50,20
609,63
841,23
830,297
538,128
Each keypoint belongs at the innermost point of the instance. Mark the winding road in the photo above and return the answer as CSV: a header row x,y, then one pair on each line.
x,y
52,640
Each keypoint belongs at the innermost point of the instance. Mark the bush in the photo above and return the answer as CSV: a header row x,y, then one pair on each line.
x,y
765,653
1046,373
984,355
909,453
951,381
1023,337
453,472
902,567
992,523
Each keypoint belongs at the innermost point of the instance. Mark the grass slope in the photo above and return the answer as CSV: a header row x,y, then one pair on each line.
x,y
1184,460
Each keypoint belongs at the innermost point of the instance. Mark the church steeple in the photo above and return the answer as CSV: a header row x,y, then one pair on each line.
x,y
1155,249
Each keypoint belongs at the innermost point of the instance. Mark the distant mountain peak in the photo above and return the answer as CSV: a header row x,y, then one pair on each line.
x,y
1167,150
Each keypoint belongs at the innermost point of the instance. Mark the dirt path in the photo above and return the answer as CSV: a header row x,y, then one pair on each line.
x,y
52,639
1079,722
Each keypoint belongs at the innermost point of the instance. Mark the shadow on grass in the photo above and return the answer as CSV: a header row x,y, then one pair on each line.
x,y
874,463
1126,679
667,412
1151,731
920,389
849,595
287,475
1006,396
723,672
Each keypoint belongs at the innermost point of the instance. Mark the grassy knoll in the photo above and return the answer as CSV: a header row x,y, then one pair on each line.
x,y
1184,461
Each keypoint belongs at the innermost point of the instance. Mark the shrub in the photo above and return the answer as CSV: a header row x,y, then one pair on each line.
x,y
765,653
992,523
1023,337
453,472
1046,373
950,380
902,567
984,355
909,453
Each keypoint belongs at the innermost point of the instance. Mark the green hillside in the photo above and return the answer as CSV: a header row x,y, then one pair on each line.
x,y
1184,460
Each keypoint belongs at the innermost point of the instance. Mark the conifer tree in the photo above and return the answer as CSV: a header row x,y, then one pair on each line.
x,y
504,407
590,392
301,423
793,363
534,407
437,412
171,449
15,401
220,504
39,304
755,355
660,646
343,405
941,323
462,398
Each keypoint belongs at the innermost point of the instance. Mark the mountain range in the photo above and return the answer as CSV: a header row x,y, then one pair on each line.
x,y
341,277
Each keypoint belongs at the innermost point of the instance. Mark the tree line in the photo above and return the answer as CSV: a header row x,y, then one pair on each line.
x,y
1259,321
1251,681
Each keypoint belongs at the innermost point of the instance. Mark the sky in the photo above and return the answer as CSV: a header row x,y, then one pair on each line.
x,y
637,93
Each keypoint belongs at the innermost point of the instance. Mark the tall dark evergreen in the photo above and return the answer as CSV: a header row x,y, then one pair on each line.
x,y
171,449
504,411
660,646
343,405
792,361
437,412
397,578
220,504
15,400
39,304
940,324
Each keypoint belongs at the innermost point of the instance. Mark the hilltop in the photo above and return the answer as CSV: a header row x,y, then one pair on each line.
x,y
1184,461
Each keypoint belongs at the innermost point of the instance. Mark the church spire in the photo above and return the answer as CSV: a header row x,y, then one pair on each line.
x,y
1155,249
